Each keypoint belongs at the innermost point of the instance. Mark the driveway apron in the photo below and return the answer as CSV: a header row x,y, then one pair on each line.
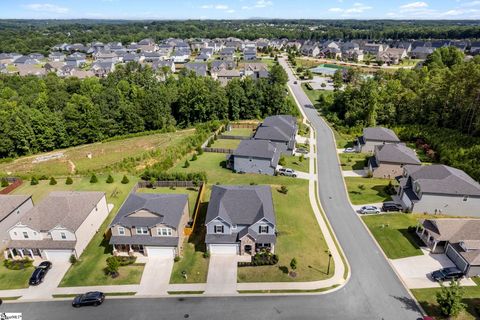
x,y
222,275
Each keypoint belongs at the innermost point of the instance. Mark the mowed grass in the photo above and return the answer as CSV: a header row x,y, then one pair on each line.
x,y
314,95
353,161
245,132
294,162
226,144
367,190
391,233
299,235
14,279
103,154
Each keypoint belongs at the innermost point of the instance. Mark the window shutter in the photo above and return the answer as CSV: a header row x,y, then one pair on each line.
x,y
222,228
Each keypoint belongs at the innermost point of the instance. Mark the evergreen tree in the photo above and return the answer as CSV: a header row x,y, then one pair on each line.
x,y
125,180
69,180
93,178
109,179
52,181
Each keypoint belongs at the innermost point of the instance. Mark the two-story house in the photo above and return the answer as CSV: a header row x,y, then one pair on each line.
x,y
150,224
280,130
439,189
60,225
389,159
240,220
375,136
255,156
12,209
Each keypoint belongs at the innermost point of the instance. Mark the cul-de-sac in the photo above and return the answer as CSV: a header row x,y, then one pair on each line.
x,y
240,160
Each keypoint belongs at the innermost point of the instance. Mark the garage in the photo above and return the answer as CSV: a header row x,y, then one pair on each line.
x,y
57,255
160,252
456,258
406,200
223,249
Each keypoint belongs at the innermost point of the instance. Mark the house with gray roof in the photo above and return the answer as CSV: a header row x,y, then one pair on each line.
x,y
375,136
240,220
150,224
200,69
12,209
389,159
160,65
459,239
279,130
438,189
60,225
255,156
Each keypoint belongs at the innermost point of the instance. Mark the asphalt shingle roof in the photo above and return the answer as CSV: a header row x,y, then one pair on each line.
x,y
396,153
8,203
380,134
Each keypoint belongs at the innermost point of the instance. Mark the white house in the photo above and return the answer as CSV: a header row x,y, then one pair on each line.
x,y
12,209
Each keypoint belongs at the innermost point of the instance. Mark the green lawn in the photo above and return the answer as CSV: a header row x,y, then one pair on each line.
x,y
247,132
314,95
294,163
14,279
367,190
427,299
391,232
299,235
191,192
226,144
353,161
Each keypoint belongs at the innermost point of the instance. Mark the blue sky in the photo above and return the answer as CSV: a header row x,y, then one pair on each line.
x,y
240,9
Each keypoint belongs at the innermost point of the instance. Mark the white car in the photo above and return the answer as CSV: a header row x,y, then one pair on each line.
x,y
349,150
369,209
287,172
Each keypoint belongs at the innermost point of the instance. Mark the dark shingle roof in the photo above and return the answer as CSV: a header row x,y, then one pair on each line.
x,y
255,148
380,134
8,203
145,240
396,153
277,128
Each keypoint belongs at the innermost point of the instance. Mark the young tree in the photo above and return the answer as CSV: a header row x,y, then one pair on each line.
x,y
93,178
450,299
293,264
194,157
109,179
52,181
34,181
186,164
69,180
112,266
338,80
4,183
125,180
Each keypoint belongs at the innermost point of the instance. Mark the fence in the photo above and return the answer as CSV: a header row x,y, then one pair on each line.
x,y
233,137
218,150
244,125
14,183
188,230
159,184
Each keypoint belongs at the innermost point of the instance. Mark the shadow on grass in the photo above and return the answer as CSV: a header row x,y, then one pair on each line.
x,y
197,238
359,165
380,189
413,238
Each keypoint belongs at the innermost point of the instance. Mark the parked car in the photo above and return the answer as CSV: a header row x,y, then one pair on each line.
x,y
94,298
47,265
369,209
447,274
37,276
295,82
349,150
391,206
287,172
302,150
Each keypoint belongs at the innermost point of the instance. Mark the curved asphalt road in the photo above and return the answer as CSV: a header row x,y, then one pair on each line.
x,y
373,291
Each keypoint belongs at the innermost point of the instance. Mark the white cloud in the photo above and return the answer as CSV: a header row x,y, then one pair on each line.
x,y
231,11
259,4
46,7
414,5
356,8
470,4
335,10
215,6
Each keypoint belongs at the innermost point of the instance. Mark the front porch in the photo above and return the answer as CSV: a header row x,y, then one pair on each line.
x,y
21,253
434,245
249,247
135,250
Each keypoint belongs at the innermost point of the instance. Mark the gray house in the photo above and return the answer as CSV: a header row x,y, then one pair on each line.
x,y
373,137
459,239
240,220
255,156
280,130
389,159
12,209
150,224
439,189
200,69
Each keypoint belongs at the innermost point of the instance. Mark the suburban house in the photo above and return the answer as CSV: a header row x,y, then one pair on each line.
x,y
280,130
250,53
311,50
150,224
168,65
459,239
421,52
200,69
439,189
225,75
240,220
388,160
60,225
373,137
12,209
255,156
256,70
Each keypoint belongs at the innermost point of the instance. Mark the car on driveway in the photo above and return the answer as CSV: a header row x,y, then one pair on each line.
x,y
39,273
302,150
391,206
369,209
349,150
94,298
447,274
295,82
287,172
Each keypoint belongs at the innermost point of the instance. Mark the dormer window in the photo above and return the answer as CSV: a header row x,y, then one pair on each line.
x,y
142,230
218,229
63,235
164,232
465,198
121,231
263,229
25,235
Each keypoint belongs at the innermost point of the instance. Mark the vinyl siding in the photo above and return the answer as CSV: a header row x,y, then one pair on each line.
x,y
450,205
12,219
253,165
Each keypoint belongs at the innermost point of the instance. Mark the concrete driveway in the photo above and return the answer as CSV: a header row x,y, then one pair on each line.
x,y
156,276
51,281
415,271
222,274
354,173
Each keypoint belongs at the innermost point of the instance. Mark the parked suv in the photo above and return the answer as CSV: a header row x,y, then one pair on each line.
x,y
287,172
94,298
447,274
391,206
369,209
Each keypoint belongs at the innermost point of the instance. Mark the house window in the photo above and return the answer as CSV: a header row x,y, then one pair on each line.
x,y
465,198
63,235
164,231
263,229
218,229
15,233
142,230
121,231
25,235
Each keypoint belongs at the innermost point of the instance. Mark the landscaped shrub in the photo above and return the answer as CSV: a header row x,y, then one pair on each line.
x,y
209,143
263,258
293,264
199,151
109,179
52,181
93,178
125,260
206,254
301,158
194,157
112,267
73,259
186,164
43,177
283,189
4,183
176,259
282,161
174,176
125,180
18,264
34,181
69,180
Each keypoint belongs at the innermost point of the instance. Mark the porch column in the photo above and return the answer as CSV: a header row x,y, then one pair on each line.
x,y
114,248
129,248
31,253
423,231
11,253
5,254
434,246
21,253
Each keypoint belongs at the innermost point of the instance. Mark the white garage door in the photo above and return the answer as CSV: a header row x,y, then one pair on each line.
x,y
160,252
225,249
406,200
57,255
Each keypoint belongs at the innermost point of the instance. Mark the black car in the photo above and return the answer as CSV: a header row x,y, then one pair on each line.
x,y
37,276
447,274
47,265
94,298
391,206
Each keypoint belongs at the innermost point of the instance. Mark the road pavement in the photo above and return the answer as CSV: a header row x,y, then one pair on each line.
x,y
373,292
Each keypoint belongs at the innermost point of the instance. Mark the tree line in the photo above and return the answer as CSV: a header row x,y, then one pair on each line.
x,y
43,114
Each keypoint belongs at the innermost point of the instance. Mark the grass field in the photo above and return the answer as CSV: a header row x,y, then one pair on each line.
x,y
353,161
103,154
391,232
299,235
314,95
226,144
247,132
367,190
14,279
294,163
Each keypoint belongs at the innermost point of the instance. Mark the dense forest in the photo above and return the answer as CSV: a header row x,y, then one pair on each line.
x,y
439,102
42,114
26,36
